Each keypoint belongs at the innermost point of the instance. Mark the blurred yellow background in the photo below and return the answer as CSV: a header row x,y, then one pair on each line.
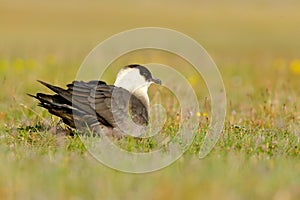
x,y
255,44
252,36
229,26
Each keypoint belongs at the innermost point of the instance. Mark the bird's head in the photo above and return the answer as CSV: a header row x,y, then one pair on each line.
x,y
135,77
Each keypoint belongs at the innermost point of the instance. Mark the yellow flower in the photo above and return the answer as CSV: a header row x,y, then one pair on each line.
x,y
204,114
193,80
295,66
18,64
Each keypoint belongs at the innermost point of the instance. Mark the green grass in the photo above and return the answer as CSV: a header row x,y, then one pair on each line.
x,y
256,46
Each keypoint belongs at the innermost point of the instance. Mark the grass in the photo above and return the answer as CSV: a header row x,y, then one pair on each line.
x,y
256,47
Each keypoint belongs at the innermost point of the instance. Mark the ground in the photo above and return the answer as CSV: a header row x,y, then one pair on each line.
x,y
256,47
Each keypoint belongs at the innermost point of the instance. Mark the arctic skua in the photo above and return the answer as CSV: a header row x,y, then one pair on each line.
x,y
99,107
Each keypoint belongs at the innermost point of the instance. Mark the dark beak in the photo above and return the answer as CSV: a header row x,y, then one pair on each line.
x,y
156,80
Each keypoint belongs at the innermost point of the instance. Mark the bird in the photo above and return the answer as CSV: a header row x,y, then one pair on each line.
x,y
100,108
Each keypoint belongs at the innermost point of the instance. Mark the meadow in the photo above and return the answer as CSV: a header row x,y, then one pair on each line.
x,y
256,47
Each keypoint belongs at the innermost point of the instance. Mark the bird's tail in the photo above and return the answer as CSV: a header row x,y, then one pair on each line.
x,y
60,105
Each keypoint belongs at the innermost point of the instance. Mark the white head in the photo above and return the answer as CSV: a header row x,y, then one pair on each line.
x,y
136,79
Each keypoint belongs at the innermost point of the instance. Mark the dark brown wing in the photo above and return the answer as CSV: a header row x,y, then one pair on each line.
x,y
92,103
109,102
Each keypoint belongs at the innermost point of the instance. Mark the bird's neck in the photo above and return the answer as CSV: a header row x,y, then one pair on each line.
x,y
136,87
142,94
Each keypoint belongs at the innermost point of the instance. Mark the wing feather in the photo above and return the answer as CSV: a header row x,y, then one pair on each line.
x,y
92,102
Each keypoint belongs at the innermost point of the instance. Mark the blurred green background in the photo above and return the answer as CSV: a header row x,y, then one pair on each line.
x,y
256,46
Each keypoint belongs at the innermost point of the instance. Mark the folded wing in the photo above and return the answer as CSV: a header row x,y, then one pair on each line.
x,y
93,103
